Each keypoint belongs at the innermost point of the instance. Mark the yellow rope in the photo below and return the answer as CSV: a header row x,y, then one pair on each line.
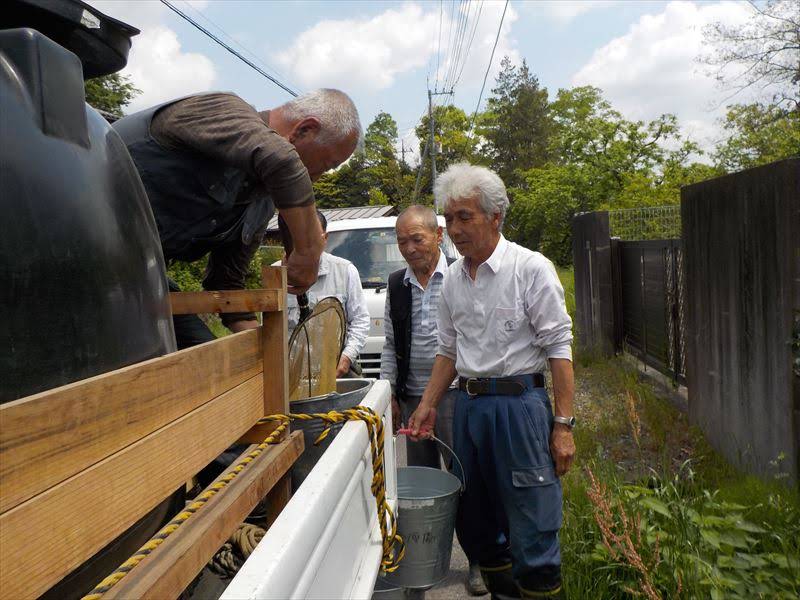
x,y
391,557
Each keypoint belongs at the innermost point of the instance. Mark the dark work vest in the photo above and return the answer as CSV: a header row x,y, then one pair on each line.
x,y
400,312
199,203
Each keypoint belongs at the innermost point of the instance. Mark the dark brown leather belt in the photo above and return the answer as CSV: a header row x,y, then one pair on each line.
x,y
500,386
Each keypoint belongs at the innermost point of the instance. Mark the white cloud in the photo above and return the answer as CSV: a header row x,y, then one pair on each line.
x,y
370,53
362,53
652,69
564,11
157,64
159,68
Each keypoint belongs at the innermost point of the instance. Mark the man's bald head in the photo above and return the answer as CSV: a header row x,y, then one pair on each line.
x,y
424,214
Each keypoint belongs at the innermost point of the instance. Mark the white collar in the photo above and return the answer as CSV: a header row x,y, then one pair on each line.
x,y
441,267
494,261
324,264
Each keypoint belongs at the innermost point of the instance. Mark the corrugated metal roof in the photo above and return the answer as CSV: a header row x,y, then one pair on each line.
x,y
340,214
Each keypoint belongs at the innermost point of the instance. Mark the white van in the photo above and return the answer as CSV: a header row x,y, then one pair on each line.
x,y
371,245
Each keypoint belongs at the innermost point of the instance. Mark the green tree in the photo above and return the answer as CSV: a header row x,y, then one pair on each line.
x,y
372,177
598,160
758,134
516,125
110,93
390,181
453,142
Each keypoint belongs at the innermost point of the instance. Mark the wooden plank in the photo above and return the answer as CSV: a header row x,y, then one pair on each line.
x,y
48,437
226,301
275,340
45,538
170,568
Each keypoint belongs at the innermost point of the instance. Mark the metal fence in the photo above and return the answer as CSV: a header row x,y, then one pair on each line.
x,y
653,304
631,287
650,223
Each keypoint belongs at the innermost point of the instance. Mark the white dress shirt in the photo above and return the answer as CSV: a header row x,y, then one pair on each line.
x,y
509,320
338,278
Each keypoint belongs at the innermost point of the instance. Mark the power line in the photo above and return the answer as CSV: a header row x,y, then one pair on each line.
x,y
235,42
488,68
228,48
462,37
438,46
469,44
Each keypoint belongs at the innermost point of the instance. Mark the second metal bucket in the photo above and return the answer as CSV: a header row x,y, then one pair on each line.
x,y
427,503
349,393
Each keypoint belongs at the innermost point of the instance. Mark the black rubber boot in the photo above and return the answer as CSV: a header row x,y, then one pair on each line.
x,y
500,582
543,583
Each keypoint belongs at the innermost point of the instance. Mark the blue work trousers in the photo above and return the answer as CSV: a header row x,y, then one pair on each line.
x,y
511,508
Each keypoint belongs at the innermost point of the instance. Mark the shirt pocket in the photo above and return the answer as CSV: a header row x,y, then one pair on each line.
x,y
508,323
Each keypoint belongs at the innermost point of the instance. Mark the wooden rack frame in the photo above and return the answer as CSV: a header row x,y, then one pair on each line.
x,y
81,463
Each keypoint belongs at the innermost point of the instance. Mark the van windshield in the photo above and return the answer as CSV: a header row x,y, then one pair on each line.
x,y
374,252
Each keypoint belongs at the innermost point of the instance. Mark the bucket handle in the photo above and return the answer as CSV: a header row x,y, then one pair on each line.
x,y
463,478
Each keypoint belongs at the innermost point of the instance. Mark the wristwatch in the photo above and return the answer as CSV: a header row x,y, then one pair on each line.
x,y
568,421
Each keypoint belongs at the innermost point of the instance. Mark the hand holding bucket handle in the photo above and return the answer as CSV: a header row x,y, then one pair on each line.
x,y
463,477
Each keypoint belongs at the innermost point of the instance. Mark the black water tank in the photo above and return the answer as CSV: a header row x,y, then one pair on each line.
x,y
82,280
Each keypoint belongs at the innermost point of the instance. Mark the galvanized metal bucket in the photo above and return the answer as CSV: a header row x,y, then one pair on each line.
x,y
427,505
349,393
387,591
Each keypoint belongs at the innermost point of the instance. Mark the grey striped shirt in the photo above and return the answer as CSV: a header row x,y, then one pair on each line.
x,y
424,336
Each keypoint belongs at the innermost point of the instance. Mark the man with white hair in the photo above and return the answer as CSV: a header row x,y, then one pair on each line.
x,y
502,320
215,169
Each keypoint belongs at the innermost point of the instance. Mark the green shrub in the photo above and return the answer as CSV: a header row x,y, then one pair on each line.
x,y
642,520
189,277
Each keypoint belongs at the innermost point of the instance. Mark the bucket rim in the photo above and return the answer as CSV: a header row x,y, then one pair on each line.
x,y
368,383
458,490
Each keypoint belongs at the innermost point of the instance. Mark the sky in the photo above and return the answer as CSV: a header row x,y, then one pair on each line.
x,y
642,54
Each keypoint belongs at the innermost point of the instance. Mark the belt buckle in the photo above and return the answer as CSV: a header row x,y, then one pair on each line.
x,y
469,381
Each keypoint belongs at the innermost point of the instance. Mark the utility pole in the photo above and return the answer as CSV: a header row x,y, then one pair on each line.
x,y
432,128
432,139
403,151
430,146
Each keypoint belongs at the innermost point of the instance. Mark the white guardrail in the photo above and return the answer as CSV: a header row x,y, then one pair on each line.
x,y
326,542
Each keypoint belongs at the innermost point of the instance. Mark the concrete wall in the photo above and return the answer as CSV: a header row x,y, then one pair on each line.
x,y
742,253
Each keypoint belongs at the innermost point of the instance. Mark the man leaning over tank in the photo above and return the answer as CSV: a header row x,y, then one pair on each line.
x,y
215,169
502,321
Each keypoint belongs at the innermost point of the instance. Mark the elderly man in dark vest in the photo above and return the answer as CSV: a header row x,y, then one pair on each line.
x,y
412,306
215,169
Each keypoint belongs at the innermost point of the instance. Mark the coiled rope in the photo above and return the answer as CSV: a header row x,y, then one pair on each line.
x,y
229,559
393,545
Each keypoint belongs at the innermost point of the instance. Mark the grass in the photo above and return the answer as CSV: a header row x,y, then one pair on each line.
x,y
652,511
567,277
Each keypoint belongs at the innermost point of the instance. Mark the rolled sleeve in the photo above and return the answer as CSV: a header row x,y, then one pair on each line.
x,y
547,310
446,330
388,357
357,315
225,127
